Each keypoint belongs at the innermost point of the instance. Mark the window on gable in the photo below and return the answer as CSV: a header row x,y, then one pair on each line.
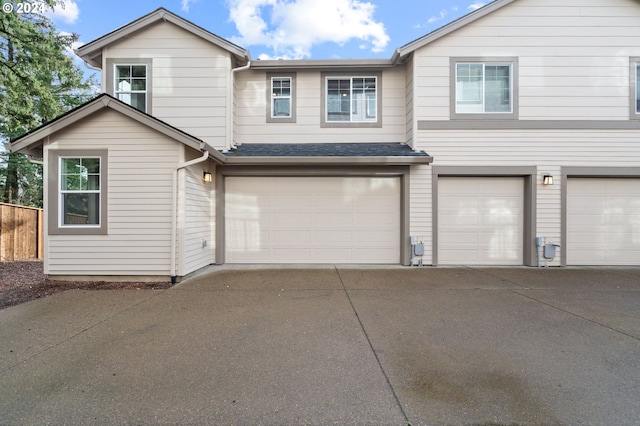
x,y
484,88
80,193
131,85
352,99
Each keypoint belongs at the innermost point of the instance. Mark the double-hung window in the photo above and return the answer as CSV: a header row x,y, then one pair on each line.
x,y
79,191
131,85
351,100
484,88
281,97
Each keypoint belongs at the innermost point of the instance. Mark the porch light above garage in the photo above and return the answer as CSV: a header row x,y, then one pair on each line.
x,y
547,179
206,176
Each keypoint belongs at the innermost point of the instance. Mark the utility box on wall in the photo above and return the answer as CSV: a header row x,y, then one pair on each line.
x,y
550,251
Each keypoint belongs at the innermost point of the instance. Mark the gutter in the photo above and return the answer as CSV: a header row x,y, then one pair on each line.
x,y
230,97
174,208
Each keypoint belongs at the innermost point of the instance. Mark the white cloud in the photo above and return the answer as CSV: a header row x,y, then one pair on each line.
x,y
67,12
185,4
476,5
292,27
443,14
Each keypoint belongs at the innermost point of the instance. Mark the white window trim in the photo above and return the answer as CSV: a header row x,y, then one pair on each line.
x,y
117,92
111,78
513,92
634,64
54,193
353,103
275,97
270,117
62,192
326,76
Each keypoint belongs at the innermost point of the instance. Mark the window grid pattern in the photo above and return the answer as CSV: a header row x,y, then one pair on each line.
x,y
352,99
131,85
483,88
79,191
281,97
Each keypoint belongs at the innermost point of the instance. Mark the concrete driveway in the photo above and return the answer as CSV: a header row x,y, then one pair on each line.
x,y
327,345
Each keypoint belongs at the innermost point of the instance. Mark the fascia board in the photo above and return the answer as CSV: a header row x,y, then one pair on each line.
x,y
447,29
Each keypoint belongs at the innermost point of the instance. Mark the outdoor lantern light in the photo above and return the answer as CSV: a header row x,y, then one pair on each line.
x,y
547,180
206,176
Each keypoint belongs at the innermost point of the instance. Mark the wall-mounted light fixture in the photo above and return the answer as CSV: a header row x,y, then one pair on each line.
x,y
206,176
547,180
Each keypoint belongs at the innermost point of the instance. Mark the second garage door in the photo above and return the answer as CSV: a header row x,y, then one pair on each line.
x,y
480,220
603,221
312,220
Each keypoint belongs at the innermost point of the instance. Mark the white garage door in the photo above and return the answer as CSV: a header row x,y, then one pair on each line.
x,y
312,220
603,221
480,221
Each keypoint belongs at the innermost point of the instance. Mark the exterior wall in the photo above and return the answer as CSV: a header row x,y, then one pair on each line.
x,y
568,70
198,242
251,106
140,164
420,208
573,58
189,79
409,107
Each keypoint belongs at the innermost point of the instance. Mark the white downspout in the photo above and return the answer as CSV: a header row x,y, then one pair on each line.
x,y
230,92
174,208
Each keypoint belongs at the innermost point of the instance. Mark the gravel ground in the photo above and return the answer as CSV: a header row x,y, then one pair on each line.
x,y
24,281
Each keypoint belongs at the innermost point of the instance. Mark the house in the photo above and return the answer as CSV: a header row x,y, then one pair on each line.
x,y
519,120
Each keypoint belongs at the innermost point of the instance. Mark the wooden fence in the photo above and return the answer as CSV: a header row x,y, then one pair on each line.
x,y
21,233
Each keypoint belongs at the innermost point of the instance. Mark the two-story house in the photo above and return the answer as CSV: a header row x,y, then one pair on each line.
x,y
195,154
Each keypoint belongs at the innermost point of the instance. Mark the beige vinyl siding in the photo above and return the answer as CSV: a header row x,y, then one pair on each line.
x,y
140,180
420,209
573,57
548,150
190,78
411,124
251,126
199,223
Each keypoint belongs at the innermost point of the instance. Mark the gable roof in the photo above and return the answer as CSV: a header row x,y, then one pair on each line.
x,y
411,47
92,51
34,139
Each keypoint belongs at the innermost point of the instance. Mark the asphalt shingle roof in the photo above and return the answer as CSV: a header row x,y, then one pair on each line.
x,y
324,150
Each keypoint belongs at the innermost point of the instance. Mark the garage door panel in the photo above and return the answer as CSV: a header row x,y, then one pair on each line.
x,y
314,220
603,221
480,221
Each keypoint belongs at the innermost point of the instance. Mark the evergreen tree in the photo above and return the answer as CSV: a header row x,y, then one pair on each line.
x,y
38,82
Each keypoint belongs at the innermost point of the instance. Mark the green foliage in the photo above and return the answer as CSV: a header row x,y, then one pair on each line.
x,y
38,82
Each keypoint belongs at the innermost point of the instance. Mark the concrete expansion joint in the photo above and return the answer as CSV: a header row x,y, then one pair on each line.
x,y
373,351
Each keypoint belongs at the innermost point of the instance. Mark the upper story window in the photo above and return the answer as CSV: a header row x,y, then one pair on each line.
x,y
634,88
129,80
131,85
352,99
281,97
484,88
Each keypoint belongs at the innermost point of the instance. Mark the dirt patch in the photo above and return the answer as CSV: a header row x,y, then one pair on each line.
x,y
24,281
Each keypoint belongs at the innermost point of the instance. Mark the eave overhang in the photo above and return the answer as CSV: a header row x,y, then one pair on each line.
x,y
31,143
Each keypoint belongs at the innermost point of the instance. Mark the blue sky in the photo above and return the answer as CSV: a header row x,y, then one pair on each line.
x,y
292,29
